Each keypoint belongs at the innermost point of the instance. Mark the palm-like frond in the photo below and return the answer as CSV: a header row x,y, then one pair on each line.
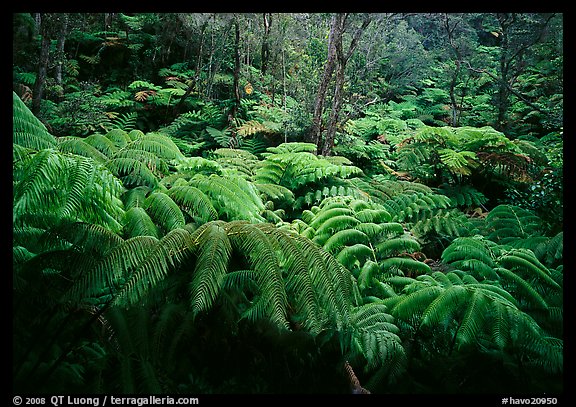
x,y
77,145
374,336
137,222
71,186
27,130
193,202
164,211
507,223
232,196
290,281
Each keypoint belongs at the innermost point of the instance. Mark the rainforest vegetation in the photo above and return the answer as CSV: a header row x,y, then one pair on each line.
x,y
287,203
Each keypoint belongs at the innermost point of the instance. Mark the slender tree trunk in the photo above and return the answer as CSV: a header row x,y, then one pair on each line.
x,y
328,143
38,90
195,82
60,57
236,106
503,93
316,132
342,59
265,53
450,31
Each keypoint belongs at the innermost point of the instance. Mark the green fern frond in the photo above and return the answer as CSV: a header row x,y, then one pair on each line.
x,y
345,237
521,288
395,246
463,195
369,271
78,146
112,268
404,264
132,172
354,256
458,162
119,137
444,308
294,147
261,254
27,130
194,202
506,223
102,143
277,193
213,257
469,248
158,144
164,211
526,263
474,319
137,222
135,196
71,186
232,196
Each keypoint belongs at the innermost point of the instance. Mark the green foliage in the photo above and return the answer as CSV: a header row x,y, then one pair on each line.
x,y
310,177
147,221
27,130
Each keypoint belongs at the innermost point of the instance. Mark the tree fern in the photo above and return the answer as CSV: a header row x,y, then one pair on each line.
x,y
374,337
137,222
232,196
164,211
193,202
469,313
71,186
27,130
463,195
506,223
214,256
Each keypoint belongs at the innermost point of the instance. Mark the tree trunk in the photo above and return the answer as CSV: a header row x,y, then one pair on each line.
x,y
60,57
342,59
450,31
195,82
328,143
503,94
265,53
42,66
236,106
316,132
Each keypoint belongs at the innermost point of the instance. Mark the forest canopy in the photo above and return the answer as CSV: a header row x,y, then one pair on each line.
x,y
287,203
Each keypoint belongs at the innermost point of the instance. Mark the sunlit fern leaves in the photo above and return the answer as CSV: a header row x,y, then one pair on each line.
x,y
27,130
362,238
214,254
164,211
235,160
517,270
310,177
417,207
194,203
78,146
67,186
233,197
138,158
137,222
183,169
